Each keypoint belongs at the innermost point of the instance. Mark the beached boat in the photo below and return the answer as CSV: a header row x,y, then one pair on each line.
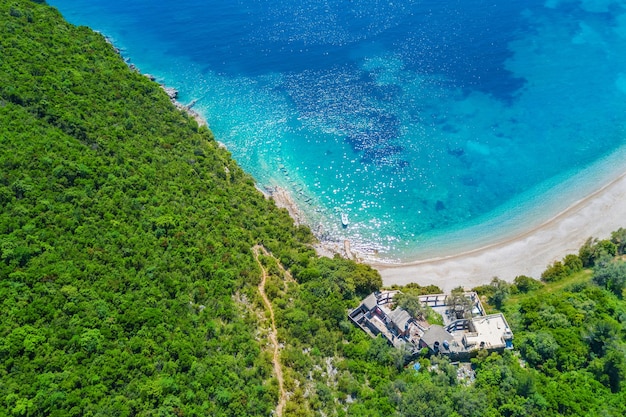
x,y
344,220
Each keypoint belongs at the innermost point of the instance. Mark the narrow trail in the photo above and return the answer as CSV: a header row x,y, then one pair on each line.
x,y
278,370
289,277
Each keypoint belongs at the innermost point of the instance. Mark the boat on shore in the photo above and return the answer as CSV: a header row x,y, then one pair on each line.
x,y
344,220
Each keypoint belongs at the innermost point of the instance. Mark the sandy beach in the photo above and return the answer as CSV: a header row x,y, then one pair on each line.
x,y
597,215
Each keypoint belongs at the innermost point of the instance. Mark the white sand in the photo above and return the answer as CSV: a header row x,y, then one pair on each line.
x,y
529,253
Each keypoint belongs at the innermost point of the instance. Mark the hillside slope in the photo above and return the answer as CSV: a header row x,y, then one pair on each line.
x,y
119,218
132,249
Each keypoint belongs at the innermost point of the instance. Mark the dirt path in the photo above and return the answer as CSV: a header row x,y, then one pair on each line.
x,y
289,277
282,400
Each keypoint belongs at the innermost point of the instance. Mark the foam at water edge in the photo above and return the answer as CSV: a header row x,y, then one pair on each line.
x,y
520,215
435,126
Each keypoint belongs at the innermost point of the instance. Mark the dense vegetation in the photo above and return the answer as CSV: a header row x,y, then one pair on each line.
x,y
128,285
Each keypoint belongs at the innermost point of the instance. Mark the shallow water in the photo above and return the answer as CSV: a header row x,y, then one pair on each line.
x,y
433,124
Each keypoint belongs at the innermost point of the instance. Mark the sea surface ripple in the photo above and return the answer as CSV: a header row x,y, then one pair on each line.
x,y
433,124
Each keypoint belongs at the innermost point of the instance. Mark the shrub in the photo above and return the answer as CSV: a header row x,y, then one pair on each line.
x,y
526,284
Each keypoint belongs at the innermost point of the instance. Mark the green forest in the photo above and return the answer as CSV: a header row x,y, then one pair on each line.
x,y
131,274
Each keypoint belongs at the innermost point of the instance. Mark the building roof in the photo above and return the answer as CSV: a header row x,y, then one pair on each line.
x,y
400,317
492,329
370,302
436,333
459,337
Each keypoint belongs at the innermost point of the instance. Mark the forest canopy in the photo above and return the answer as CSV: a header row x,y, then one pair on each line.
x,y
129,285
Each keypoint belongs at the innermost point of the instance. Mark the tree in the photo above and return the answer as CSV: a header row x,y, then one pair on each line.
x,y
502,289
586,252
469,403
601,335
615,367
526,284
400,356
461,305
429,399
554,272
410,303
572,263
612,276
538,348
593,250
366,279
380,351
618,237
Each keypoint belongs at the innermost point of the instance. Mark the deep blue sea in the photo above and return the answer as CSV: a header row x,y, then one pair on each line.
x,y
434,124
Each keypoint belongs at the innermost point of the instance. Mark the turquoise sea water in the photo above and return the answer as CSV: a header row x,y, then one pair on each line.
x,y
436,125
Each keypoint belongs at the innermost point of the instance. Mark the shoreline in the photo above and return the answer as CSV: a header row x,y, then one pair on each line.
x,y
171,92
283,199
528,253
324,247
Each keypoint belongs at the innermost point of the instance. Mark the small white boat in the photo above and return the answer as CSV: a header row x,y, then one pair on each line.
x,y
344,220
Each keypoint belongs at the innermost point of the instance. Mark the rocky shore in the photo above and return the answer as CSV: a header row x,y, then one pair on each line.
x,y
171,92
282,199
324,246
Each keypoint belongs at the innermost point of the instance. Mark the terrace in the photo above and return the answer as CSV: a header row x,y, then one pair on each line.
x,y
466,328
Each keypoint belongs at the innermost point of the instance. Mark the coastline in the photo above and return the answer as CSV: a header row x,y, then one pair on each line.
x,y
528,253
323,247
171,92
283,199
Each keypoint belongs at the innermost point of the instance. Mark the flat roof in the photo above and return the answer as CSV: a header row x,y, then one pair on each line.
x,y
491,329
